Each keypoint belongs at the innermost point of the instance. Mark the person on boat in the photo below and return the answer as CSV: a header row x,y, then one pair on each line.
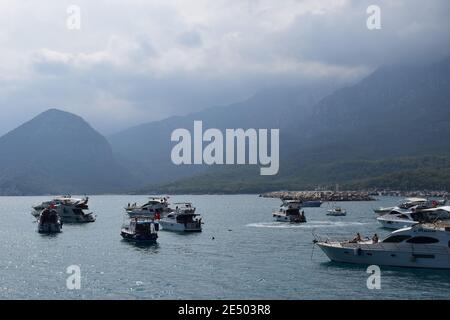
x,y
303,218
356,239
157,215
375,238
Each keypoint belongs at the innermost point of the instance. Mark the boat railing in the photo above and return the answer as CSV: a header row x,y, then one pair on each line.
x,y
381,246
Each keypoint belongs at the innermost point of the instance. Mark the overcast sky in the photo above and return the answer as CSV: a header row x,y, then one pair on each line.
x,y
135,61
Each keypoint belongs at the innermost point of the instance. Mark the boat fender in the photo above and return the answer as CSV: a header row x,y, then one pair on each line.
x,y
357,251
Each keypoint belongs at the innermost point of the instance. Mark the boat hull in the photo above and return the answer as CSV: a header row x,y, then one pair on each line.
x,y
395,224
49,227
290,219
180,227
416,258
334,213
139,238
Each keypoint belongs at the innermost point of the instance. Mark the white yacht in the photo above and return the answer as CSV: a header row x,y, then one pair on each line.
x,y
49,221
290,212
337,212
398,219
419,246
154,206
409,203
70,210
183,218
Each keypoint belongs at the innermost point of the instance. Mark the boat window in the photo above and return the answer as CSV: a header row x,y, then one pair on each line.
x,y
396,238
423,240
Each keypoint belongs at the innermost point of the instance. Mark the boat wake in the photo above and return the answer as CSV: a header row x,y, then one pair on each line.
x,y
308,225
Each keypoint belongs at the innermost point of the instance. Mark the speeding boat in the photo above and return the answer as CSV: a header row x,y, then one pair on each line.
x,y
49,221
70,210
140,230
418,246
398,219
290,212
154,206
183,219
337,212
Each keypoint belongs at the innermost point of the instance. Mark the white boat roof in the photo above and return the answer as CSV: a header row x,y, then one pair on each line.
x,y
416,199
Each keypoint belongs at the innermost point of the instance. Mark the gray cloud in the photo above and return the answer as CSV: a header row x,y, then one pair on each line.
x,y
147,60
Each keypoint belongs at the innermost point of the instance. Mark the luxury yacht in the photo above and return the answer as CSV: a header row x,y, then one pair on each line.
x,y
154,206
409,203
49,221
337,212
398,219
183,218
290,212
419,246
140,230
70,210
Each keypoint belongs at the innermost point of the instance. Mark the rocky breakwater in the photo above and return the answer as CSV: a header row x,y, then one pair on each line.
x,y
320,195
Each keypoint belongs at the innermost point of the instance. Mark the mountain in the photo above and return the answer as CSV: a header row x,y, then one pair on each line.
x,y
58,152
391,125
145,150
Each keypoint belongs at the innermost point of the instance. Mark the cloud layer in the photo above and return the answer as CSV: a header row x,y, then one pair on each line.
x,y
137,61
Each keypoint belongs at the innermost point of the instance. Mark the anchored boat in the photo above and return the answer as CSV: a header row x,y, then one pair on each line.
x,y
154,206
410,203
70,210
140,230
418,246
49,221
183,219
337,212
398,219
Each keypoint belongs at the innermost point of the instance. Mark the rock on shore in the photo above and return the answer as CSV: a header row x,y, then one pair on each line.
x,y
320,195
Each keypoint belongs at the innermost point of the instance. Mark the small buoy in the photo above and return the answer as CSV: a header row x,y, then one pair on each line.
x,y
213,238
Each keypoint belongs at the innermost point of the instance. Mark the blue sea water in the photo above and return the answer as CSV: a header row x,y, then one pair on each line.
x,y
241,254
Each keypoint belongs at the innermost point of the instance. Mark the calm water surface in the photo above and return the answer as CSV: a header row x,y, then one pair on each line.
x,y
241,254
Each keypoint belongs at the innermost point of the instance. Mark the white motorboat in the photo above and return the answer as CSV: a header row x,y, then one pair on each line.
x,y
183,219
419,246
70,210
154,206
49,221
398,219
290,212
140,230
337,212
